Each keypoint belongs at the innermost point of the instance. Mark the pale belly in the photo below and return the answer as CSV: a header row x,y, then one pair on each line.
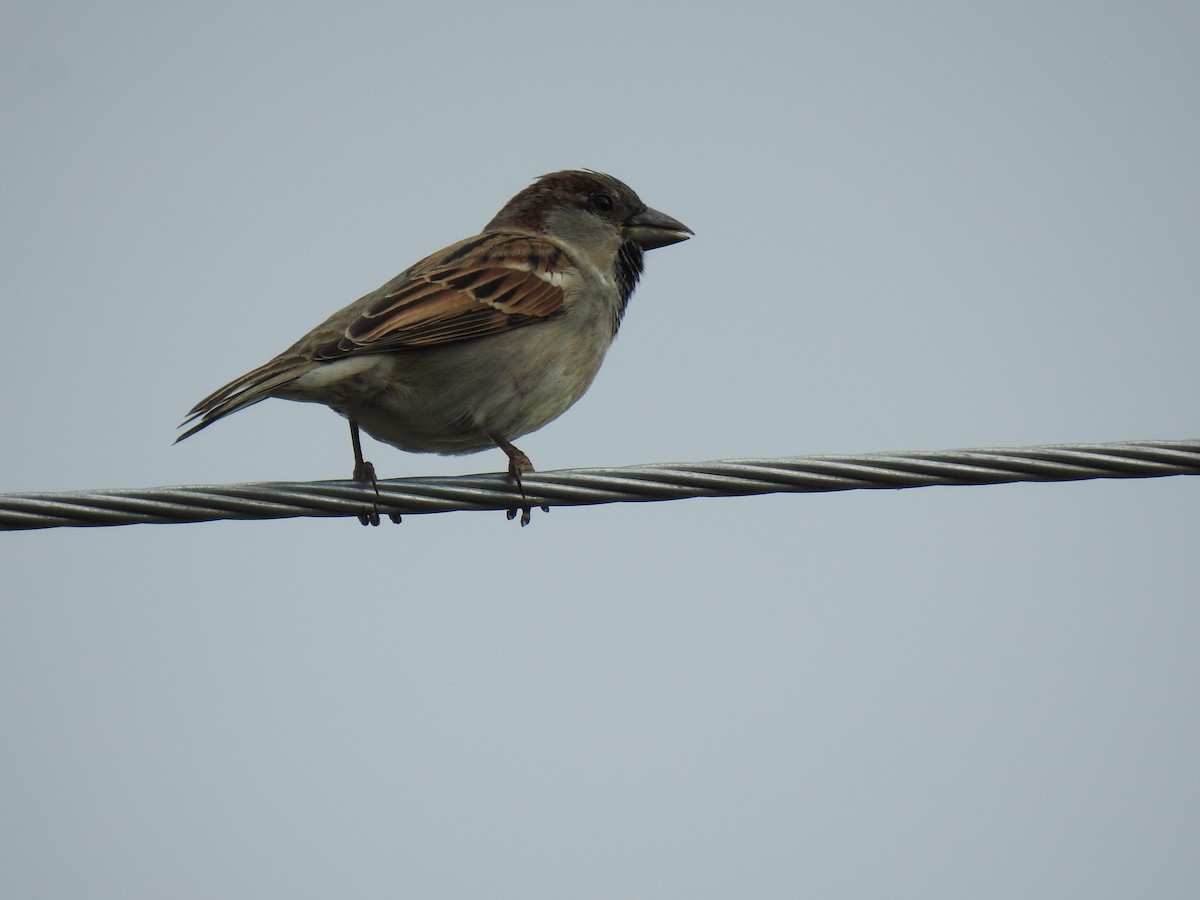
x,y
454,399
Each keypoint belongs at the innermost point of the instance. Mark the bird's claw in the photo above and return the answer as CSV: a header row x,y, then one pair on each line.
x,y
526,512
364,472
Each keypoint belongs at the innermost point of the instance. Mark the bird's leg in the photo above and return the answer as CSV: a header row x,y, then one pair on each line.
x,y
365,472
518,464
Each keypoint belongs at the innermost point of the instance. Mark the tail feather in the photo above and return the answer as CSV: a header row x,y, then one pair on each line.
x,y
253,387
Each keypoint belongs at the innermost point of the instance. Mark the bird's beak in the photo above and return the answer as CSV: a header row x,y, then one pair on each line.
x,y
650,229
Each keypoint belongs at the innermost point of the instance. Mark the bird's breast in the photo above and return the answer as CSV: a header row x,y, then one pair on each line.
x,y
448,399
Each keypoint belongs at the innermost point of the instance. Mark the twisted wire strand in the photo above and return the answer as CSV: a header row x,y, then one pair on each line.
x,y
580,487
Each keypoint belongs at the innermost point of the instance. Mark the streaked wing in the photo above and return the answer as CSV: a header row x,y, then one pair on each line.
x,y
484,285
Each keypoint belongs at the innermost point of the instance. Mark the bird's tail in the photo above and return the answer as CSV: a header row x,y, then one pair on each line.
x,y
251,388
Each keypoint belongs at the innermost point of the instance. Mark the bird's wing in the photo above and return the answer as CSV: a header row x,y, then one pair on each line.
x,y
481,286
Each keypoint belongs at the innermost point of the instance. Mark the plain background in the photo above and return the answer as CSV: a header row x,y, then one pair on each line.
x,y
918,226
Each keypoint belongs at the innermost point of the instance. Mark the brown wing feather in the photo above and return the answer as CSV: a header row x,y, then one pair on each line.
x,y
513,281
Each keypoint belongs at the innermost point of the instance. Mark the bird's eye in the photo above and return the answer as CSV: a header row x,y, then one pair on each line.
x,y
601,203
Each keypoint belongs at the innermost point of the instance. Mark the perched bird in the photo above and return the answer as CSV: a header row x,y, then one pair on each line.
x,y
479,343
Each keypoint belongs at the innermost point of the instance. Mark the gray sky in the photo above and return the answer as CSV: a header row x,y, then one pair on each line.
x,y
918,227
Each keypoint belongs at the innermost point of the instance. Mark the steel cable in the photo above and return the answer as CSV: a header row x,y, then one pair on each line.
x,y
580,487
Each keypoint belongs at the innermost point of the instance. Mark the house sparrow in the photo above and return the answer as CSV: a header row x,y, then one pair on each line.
x,y
479,343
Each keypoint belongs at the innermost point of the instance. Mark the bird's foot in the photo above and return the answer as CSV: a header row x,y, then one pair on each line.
x,y
364,472
518,464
